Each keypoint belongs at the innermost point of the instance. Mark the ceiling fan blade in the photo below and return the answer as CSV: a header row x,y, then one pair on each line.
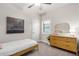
x,y
30,5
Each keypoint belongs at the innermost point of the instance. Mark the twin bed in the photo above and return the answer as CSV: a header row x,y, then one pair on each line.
x,y
17,48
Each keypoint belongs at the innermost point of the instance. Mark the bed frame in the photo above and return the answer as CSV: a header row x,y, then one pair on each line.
x,y
25,51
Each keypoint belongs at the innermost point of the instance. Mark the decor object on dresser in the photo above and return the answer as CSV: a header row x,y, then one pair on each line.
x,y
15,25
62,27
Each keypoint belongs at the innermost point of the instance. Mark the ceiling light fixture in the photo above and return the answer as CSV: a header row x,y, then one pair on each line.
x,y
37,4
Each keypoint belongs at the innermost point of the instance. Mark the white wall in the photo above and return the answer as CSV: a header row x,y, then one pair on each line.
x,y
35,22
10,10
68,13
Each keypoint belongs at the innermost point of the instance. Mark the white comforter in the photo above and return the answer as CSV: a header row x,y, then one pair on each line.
x,y
16,46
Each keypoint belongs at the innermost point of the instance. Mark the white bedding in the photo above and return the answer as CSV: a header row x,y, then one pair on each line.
x,y
16,46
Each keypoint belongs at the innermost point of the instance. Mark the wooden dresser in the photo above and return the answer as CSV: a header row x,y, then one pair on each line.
x,y
67,43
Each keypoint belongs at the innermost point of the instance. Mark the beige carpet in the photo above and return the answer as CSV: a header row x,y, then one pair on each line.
x,y
46,50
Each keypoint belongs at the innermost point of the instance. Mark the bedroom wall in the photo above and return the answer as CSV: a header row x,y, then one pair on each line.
x,y
68,13
35,19
10,10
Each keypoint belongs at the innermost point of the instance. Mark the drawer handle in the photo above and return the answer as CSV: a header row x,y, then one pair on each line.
x,y
67,45
67,41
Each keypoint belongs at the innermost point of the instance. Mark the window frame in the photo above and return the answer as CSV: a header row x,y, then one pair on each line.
x,y
43,24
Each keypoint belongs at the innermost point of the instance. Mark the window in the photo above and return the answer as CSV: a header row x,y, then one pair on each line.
x,y
46,27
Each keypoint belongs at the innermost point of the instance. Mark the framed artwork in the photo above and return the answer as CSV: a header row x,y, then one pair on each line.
x,y
15,25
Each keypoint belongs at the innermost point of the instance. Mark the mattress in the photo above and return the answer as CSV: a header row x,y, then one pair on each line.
x,y
16,46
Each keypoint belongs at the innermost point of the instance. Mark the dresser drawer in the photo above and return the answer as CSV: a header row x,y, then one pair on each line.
x,y
71,47
64,43
70,40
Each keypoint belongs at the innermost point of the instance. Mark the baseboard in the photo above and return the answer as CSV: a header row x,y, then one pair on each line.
x,y
45,42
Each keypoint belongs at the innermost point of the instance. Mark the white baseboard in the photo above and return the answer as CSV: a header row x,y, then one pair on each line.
x,y
45,42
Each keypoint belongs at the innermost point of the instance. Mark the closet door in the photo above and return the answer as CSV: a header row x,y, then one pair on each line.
x,y
35,30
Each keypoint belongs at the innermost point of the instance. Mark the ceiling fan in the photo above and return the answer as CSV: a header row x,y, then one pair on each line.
x,y
31,5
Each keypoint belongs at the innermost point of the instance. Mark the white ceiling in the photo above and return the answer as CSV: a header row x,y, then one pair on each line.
x,y
24,6
35,9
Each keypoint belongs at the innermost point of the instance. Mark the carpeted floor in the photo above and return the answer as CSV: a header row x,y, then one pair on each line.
x,y
46,50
